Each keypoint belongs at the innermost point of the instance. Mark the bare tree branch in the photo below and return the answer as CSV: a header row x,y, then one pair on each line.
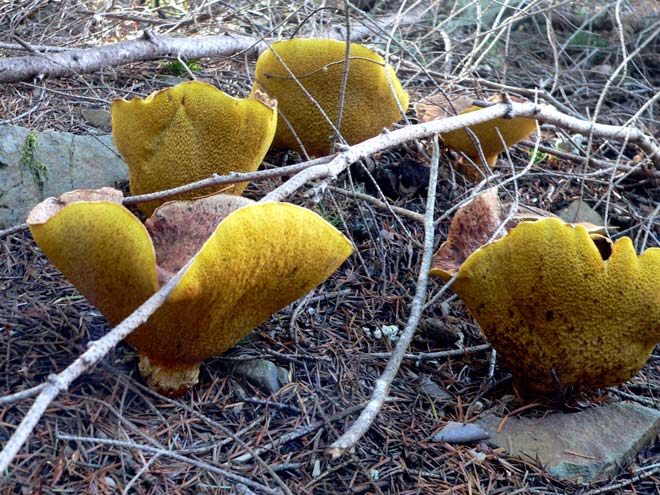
x,y
428,356
149,47
333,166
511,109
153,47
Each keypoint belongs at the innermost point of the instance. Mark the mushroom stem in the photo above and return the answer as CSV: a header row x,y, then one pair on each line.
x,y
171,381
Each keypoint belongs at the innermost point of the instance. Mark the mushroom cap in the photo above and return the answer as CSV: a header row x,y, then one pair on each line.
x,y
188,132
488,134
318,64
259,258
559,314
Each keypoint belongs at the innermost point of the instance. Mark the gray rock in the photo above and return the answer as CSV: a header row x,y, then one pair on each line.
x,y
579,447
34,166
262,374
459,433
579,211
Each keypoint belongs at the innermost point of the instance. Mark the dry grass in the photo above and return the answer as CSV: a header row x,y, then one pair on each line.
x,y
45,325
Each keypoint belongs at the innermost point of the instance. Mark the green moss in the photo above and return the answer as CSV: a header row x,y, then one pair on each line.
x,y
178,69
28,164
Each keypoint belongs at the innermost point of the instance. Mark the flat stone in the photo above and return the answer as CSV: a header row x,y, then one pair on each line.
x,y
460,433
58,162
581,447
579,211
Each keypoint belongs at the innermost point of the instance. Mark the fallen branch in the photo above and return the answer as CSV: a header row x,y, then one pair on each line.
x,y
381,142
213,181
333,166
543,113
23,394
149,47
221,180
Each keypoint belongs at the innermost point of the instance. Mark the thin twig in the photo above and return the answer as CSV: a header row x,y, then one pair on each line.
x,y
305,430
418,217
344,79
605,165
213,181
23,394
225,430
611,488
174,455
220,180
382,386
431,356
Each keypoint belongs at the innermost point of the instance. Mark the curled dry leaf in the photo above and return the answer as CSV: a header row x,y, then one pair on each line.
x,y
373,100
258,258
188,132
471,228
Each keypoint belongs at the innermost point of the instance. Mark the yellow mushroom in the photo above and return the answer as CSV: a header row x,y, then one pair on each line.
x,y
188,132
560,312
493,136
254,259
373,99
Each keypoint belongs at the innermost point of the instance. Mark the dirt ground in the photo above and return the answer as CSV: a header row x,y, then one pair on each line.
x,y
133,440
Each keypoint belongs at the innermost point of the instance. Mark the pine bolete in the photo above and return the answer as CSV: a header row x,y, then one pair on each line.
x,y
560,312
374,98
188,132
254,259
493,136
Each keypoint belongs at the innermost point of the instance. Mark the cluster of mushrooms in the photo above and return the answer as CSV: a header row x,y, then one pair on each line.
x,y
560,312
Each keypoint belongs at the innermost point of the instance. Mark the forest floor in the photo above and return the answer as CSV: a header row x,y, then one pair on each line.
x,y
326,342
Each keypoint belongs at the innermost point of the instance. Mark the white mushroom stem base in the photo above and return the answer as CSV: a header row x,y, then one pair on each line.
x,y
169,380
